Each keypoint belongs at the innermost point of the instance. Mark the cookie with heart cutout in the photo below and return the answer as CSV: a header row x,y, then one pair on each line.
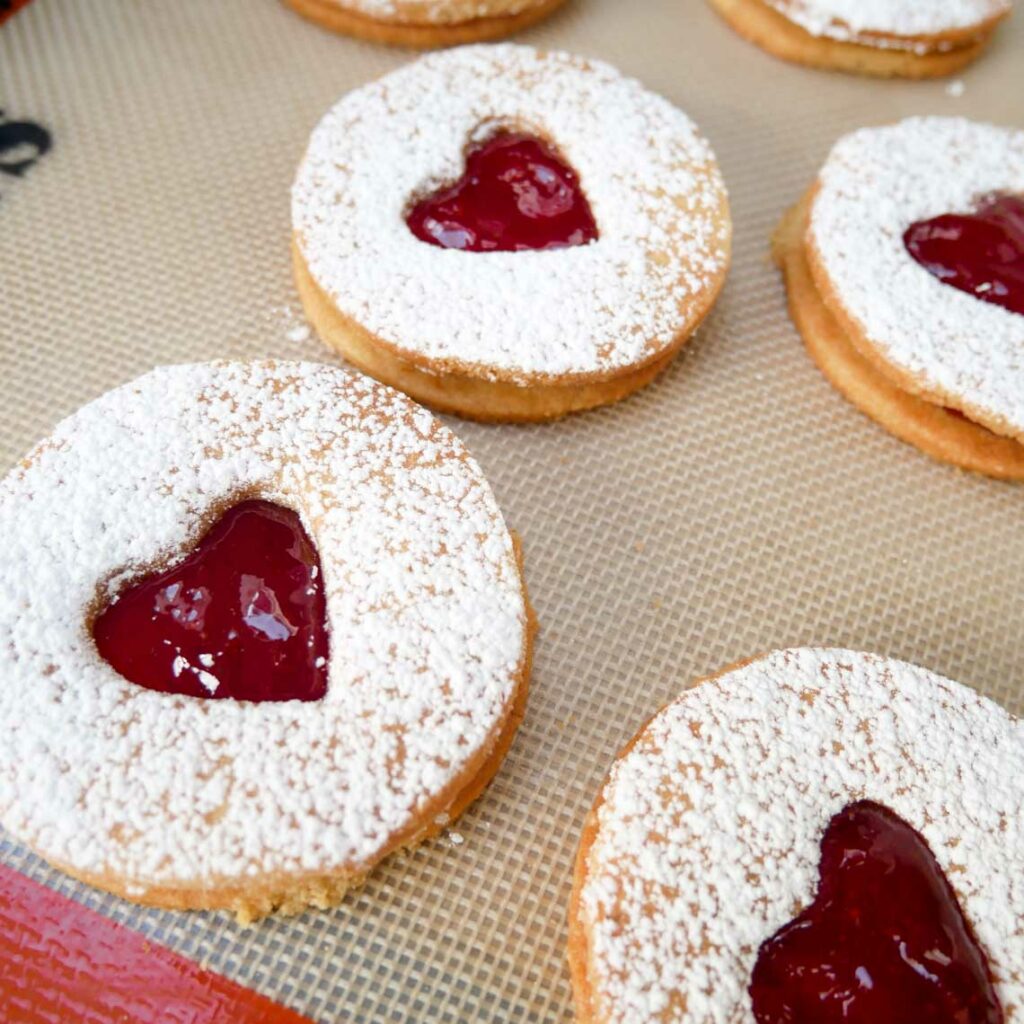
x,y
262,624
813,828
425,24
883,38
904,267
508,234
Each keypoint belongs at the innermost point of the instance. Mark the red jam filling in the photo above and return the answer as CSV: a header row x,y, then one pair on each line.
x,y
884,941
517,193
242,616
981,253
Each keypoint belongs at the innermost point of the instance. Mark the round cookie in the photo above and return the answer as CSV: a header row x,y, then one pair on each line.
x,y
934,365
884,38
182,802
705,838
509,335
424,24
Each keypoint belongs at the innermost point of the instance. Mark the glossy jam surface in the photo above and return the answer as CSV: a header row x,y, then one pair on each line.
x,y
62,963
516,193
884,941
241,616
981,253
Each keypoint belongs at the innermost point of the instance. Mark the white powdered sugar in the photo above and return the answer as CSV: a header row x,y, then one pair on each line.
x,y
651,180
425,613
876,182
710,828
849,20
436,12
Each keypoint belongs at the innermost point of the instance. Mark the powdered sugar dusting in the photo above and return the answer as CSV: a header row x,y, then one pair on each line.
x,y
709,831
289,322
424,608
876,182
436,12
848,20
651,181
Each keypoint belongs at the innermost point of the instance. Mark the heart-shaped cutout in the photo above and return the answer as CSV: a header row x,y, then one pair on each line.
x,y
981,253
242,616
516,193
884,941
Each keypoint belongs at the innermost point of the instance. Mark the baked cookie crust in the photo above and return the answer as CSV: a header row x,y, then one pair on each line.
x,y
859,374
880,56
421,35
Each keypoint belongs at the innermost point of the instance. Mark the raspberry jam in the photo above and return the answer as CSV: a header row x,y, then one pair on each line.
x,y
517,193
884,941
981,253
242,616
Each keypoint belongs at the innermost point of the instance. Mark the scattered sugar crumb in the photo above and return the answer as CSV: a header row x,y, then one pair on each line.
x,y
292,322
956,88
209,680
456,838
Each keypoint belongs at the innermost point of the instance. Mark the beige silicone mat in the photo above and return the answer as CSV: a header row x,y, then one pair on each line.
x,y
736,505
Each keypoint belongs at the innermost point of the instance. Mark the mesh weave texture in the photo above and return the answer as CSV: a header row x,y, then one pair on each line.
x,y
738,504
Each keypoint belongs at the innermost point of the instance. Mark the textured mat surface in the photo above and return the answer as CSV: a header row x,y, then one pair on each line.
x,y
738,504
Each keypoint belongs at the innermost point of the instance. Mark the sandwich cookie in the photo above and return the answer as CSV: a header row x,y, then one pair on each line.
x,y
508,234
814,835
424,24
904,267
884,38
262,624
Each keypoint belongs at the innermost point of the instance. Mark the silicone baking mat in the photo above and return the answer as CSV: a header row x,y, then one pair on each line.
x,y
736,505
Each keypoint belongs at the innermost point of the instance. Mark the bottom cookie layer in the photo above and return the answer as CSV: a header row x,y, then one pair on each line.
x,y
945,435
471,397
294,894
419,36
772,31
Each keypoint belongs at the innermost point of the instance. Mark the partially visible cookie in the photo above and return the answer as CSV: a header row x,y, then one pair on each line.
x,y
425,24
927,345
705,879
884,38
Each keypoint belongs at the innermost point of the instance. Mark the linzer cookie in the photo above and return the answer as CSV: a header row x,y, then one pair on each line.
x,y
904,265
423,24
886,38
262,625
814,835
508,234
